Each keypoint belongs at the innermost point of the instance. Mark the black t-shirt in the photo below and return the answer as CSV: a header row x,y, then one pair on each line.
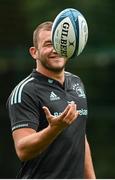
x,y
64,158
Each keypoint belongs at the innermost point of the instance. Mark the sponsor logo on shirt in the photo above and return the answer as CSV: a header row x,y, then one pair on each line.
x,y
53,96
82,112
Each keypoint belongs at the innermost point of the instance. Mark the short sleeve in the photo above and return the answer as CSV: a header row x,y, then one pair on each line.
x,y
23,110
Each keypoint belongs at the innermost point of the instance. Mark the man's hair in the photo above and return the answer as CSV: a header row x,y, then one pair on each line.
x,y
45,26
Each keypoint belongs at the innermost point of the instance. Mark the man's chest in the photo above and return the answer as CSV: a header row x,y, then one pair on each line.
x,y
57,98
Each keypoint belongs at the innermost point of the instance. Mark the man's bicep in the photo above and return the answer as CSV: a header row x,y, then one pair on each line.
x,y
22,138
18,134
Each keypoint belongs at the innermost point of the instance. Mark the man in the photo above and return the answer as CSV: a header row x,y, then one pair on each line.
x,y
48,112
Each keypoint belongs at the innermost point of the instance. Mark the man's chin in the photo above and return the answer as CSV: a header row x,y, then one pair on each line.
x,y
55,69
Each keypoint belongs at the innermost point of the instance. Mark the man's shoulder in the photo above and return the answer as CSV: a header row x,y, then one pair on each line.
x,y
26,83
25,86
71,75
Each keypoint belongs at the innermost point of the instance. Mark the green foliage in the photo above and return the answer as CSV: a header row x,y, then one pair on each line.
x,y
99,15
19,18
96,67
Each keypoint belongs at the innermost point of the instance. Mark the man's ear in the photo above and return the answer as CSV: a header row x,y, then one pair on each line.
x,y
33,51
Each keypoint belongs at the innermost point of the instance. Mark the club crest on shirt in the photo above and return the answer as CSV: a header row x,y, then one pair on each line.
x,y
79,90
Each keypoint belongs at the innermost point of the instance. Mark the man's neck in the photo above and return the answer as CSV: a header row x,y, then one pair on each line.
x,y
54,75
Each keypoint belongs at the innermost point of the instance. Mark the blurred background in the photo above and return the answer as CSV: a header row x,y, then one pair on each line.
x,y
96,67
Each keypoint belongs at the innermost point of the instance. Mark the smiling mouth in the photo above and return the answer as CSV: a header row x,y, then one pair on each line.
x,y
54,56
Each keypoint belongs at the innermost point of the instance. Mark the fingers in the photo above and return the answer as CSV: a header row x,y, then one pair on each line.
x,y
71,114
64,113
47,112
68,116
72,119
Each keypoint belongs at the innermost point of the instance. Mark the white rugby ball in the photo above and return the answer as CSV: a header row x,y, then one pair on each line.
x,y
69,33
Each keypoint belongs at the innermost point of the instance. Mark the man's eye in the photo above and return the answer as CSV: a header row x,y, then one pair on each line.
x,y
49,44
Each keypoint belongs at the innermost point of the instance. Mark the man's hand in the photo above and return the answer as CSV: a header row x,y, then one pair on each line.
x,y
29,143
67,117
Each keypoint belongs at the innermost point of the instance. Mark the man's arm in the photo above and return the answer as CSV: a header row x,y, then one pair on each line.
x,y
29,143
89,169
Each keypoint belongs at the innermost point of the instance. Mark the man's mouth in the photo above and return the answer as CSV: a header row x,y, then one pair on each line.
x,y
54,56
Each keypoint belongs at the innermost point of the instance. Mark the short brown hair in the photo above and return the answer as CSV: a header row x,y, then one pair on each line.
x,y
46,26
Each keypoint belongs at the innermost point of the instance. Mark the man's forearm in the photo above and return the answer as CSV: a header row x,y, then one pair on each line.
x,y
33,144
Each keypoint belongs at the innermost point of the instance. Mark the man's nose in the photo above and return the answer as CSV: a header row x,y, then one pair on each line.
x,y
53,50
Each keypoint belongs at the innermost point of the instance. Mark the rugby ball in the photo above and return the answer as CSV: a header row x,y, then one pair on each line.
x,y
69,33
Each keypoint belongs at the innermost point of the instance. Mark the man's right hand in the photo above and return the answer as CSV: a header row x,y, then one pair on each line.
x,y
67,117
29,143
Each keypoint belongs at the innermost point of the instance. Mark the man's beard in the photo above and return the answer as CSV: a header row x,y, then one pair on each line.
x,y
51,68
